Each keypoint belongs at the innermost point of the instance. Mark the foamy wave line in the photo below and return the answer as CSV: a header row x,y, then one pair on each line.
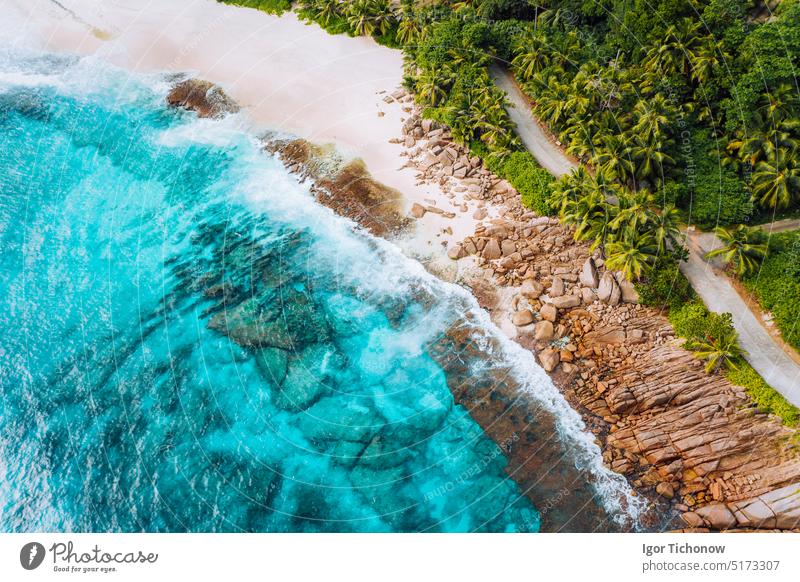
x,y
378,266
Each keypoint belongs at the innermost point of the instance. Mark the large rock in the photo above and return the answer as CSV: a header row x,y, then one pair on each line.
x,y
627,290
776,509
456,252
615,297
492,250
203,97
665,490
588,295
418,210
611,334
717,516
549,359
290,324
606,287
589,277
272,363
508,247
556,287
565,301
531,289
548,312
524,317
544,331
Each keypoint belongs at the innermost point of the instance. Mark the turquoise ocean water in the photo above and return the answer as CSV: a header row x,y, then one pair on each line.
x,y
191,343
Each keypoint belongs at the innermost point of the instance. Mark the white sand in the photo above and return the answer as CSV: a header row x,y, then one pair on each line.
x,y
289,75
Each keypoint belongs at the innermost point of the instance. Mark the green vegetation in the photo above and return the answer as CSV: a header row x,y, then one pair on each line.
x,y
665,287
763,394
712,337
534,183
269,6
631,227
742,248
676,118
776,284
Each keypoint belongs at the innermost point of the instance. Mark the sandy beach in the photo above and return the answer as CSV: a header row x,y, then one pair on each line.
x,y
615,361
288,76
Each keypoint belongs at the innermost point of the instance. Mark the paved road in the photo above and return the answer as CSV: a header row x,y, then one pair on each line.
x,y
530,132
781,225
763,352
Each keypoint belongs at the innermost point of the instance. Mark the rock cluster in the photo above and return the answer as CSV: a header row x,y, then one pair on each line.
x,y
692,440
438,159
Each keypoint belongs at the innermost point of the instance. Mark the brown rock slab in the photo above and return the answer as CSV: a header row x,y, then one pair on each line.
x,y
531,289
549,359
548,312
492,250
556,287
203,97
544,331
565,301
588,276
665,490
524,317
418,210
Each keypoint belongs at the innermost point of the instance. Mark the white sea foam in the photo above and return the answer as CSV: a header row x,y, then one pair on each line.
x,y
374,265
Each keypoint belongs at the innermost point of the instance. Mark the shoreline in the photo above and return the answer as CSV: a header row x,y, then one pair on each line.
x,y
368,121
288,75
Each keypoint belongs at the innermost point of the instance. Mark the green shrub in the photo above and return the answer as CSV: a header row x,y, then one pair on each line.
x,y
714,195
719,198
664,286
695,322
269,6
534,183
777,284
763,394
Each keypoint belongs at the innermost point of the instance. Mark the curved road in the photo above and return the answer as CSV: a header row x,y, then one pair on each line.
x,y
530,132
763,353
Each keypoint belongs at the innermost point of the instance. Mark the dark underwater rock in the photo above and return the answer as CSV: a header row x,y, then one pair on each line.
x,y
272,363
307,379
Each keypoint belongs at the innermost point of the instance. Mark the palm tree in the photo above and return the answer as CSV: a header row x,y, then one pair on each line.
x,y
569,188
652,118
431,90
709,57
651,159
633,212
613,157
366,17
718,351
779,104
742,248
408,29
533,55
324,10
675,53
776,181
631,255
665,225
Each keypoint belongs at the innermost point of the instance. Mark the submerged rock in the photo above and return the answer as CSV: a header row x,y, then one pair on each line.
x,y
307,378
290,322
272,363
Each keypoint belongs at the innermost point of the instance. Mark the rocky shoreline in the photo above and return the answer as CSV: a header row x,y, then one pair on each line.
x,y
692,444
